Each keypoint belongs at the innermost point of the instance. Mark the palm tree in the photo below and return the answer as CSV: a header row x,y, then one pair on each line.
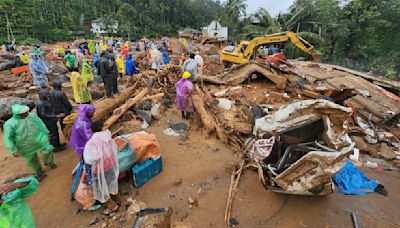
x,y
262,23
234,9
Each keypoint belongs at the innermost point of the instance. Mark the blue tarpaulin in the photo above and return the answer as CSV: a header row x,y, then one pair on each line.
x,y
351,181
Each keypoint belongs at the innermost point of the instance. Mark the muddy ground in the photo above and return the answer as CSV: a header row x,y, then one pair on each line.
x,y
204,165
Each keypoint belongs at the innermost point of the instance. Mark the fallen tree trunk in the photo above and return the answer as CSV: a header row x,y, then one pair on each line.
x,y
205,117
121,110
156,96
106,106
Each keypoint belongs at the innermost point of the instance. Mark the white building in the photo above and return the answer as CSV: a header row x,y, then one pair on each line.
x,y
215,30
103,25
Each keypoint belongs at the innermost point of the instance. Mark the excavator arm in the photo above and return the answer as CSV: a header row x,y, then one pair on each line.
x,y
283,37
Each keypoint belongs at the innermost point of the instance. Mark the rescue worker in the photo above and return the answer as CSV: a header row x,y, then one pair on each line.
x,y
24,58
126,50
156,59
79,57
79,86
39,70
165,55
81,130
103,72
201,63
182,59
92,48
137,45
98,48
25,134
120,65
14,210
70,61
184,88
130,66
86,72
95,62
113,69
60,102
101,162
60,52
46,112
191,66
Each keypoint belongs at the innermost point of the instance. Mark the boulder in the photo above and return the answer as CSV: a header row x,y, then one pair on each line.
x,y
57,67
7,65
6,103
211,49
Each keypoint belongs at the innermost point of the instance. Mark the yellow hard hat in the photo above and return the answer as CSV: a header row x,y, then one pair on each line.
x,y
186,74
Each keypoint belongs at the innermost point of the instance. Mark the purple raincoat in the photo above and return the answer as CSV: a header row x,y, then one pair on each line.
x,y
184,88
81,131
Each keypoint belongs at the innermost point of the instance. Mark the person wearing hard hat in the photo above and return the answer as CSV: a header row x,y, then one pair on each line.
x,y
184,88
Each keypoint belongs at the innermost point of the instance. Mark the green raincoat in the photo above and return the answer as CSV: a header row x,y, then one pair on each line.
x,y
92,47
70,60
86,73
26,135
15,211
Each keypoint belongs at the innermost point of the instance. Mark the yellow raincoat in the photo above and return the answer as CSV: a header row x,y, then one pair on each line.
x,y
60,51
103,47
86,73
184,42
79,86
120,65
25,58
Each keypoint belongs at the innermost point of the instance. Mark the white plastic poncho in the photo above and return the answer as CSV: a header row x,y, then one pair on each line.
x,y
156,60
101,153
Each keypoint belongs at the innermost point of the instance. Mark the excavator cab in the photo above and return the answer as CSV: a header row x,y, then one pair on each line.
x,y
245,51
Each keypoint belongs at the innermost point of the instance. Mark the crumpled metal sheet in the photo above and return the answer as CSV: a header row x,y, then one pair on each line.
x,y
312,171
300,113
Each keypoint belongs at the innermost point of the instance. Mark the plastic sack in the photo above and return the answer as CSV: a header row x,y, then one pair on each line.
x,y
84,194
145,146
351,181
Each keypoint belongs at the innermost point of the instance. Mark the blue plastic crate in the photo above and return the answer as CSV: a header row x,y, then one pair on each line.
x,y
143,172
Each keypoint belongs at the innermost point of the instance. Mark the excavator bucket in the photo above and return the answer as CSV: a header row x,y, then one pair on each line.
x,y
316,56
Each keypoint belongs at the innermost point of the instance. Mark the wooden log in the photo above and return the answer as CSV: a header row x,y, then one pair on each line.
x,y
106,106
121,110
205,117
156,96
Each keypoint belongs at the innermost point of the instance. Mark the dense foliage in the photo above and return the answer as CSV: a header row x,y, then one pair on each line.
x,y
360,34
53,20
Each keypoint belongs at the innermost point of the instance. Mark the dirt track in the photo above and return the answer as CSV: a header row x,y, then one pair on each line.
x,y
205,164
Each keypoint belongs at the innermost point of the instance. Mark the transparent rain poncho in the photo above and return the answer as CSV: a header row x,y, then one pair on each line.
x,y
101,153
184,88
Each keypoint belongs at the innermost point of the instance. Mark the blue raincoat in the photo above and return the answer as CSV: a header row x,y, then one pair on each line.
x,y
130,66
38,69
165,55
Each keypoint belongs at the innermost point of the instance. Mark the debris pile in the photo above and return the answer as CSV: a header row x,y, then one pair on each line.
x,y
294,123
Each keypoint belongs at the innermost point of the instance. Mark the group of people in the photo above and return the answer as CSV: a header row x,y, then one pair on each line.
x,y
26,134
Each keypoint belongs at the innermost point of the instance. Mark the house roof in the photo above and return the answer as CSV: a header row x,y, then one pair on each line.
x,y
102,19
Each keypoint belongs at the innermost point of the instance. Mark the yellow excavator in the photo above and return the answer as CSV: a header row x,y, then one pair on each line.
x,y
246,50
